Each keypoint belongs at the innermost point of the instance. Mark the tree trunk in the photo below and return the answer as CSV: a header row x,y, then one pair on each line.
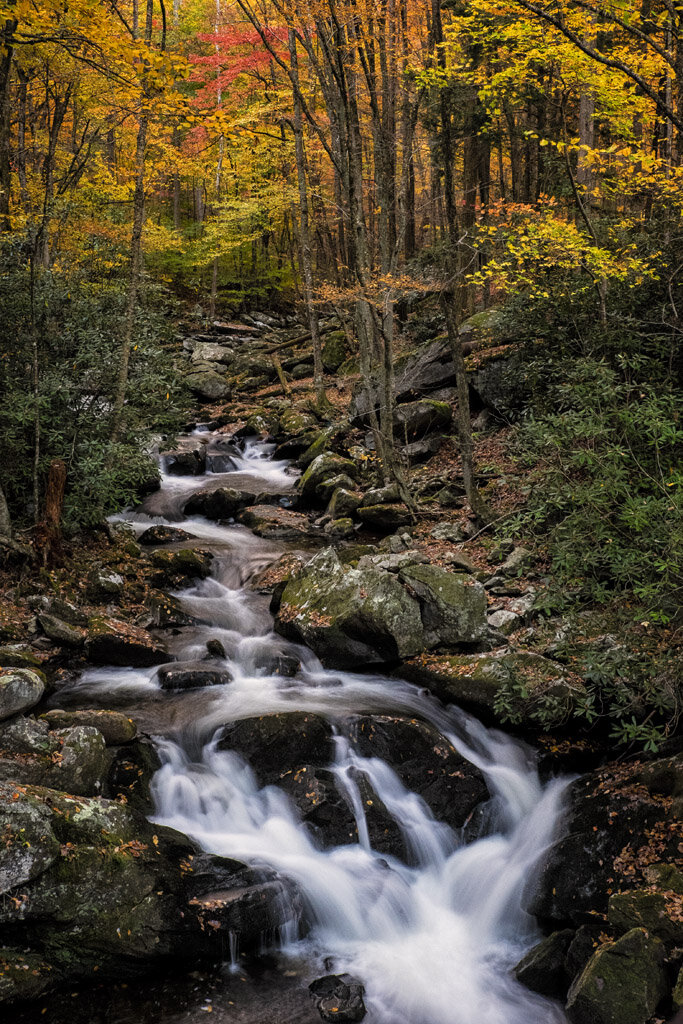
x,y
49,530
6,52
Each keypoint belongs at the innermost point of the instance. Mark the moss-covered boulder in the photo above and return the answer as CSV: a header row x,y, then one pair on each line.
x,y
334,351
659,912
384,518
453,605
296,421
72,759
319,445
15,656
20,690
413,420
343,502
508,685
208,385
275,523
61,632
350,617
112,642
622,983
543,969
116,728
322,468
178,569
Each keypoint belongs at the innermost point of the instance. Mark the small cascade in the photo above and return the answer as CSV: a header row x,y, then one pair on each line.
x,y
434,933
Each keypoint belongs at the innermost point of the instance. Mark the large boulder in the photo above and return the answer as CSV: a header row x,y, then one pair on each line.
x,y
212,352
425,762
350,618
187,459
619,833
413,420
384,518
277,743
116,728
218,502
208,385
20,690
72,759
274,523
322,468
622,983
334,351
453,605
504,686
176,569
112,642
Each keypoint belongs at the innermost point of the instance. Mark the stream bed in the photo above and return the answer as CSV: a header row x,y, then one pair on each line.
x,y
432,933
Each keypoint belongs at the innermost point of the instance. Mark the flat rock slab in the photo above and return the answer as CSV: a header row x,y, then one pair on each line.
x,y
112,642
269,521
192,675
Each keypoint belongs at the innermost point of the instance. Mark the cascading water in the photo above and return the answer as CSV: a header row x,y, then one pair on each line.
x,y
432,935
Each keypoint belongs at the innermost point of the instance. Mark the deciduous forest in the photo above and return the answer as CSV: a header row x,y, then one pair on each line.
x,y
341,377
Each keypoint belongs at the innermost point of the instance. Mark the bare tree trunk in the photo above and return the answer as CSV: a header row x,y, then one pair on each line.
x,y
49,530
304,232
121,386
6,53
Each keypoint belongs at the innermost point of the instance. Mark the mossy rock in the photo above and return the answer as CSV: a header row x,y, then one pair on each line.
x,y
23,974
115,727
18,657
181,568
350,618
453,605
20,690
344,503
320,444
622,983
658,912
294,422
334,351
324,466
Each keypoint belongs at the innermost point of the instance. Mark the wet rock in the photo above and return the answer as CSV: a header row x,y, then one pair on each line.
x,y
349,618
322,807
339,997
384,518
544,969
215,649
248,911
178,569
115,727
425,762
20,690
167,612
159,535
219,503
60,632
320,469
453,605
607,834
477,682
286,665
208,384
274,523
277,743
188,459
622,983
131,772
412,420
112,642
184,675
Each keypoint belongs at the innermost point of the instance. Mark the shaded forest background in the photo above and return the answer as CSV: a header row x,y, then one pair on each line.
x,y
400,163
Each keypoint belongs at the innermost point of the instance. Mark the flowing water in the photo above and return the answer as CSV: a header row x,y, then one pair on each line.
x,y
432,935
